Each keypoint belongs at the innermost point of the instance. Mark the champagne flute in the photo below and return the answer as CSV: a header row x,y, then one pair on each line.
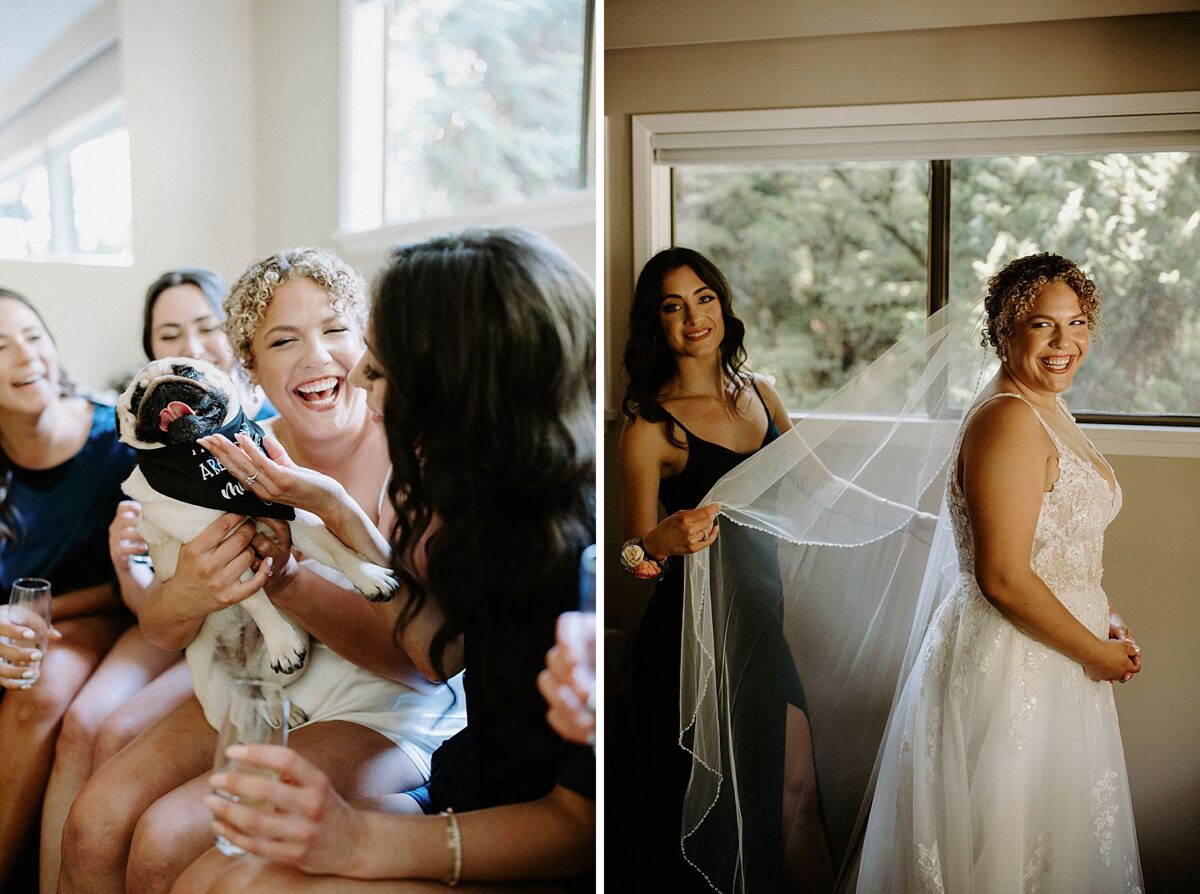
x,y
29,606
258,714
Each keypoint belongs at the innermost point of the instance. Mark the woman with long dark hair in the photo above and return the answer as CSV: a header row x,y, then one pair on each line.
x,y
61,469
481,361
693,414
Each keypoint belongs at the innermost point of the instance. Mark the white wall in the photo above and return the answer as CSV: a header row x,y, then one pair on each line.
x,y
232,109
184,72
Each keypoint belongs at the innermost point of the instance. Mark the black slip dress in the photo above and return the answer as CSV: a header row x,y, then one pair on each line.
x,y
759,715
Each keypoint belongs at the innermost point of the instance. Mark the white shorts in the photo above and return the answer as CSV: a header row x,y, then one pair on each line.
x,y
333,688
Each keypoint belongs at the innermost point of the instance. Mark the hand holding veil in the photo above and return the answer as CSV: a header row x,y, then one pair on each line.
x,y
817,595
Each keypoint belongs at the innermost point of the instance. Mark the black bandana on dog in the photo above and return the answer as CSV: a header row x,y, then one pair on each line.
x,y
191,474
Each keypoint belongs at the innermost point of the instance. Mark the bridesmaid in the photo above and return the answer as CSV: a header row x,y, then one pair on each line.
x,y
61,469
693,414
138,683
295,321
481,362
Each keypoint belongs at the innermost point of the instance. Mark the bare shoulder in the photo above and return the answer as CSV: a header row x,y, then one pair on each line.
x,y
642,436
775,405
1008,428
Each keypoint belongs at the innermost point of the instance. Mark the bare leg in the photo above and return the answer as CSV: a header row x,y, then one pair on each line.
x,y
806,856
101,822
175,831
126,670
215,873
29,724
168,691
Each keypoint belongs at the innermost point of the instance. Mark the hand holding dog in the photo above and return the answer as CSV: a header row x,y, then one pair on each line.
x,y
124,539
274,477
311,827
207,579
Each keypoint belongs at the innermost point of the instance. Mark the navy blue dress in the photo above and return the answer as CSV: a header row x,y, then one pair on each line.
x,y
63,513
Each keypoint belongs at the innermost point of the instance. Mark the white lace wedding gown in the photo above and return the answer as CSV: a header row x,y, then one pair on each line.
x,y
1003,770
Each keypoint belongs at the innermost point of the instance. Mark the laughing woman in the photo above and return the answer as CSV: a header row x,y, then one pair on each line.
x,y
295,321
61,468
138,683
481,362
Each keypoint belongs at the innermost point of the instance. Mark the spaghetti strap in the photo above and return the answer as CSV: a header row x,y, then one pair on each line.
x,y
674,419
761,400
1044,424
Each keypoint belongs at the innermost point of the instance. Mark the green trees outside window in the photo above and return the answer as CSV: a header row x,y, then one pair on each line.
x,y
830,261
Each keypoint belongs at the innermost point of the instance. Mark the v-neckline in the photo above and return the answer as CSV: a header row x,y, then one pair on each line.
x,y
1063,445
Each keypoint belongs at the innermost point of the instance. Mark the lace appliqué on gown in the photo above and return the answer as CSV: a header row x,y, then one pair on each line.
x,y
996,735
930,865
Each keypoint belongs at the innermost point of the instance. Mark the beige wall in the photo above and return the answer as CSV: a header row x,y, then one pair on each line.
x,y
233,115
666,57
191,133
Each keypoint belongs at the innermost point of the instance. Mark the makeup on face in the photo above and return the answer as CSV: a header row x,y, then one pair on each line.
x,y
183,324
304,350
28,359
1049,343
692,319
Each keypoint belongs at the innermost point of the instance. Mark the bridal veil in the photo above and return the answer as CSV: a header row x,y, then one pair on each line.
x,y
834,549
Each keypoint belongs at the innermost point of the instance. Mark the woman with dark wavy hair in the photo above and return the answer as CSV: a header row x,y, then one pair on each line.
x,y
693,414
481,361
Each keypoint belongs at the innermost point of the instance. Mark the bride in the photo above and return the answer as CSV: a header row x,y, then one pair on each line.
x,y
1003,769
989,638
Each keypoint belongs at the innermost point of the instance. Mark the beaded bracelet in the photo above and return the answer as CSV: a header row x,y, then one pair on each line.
x,y
453,847
637,562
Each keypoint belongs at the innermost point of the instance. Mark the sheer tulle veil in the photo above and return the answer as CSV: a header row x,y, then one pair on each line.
x,y
834,549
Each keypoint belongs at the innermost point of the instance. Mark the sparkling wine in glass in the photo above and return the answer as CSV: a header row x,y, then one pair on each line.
x,y
29,606
258,714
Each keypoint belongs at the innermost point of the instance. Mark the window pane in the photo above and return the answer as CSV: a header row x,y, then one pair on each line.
x,y
827,262
101,196
25,214
1130,222
484,103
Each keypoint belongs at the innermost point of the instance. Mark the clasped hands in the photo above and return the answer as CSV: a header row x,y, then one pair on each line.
x,y
1119,631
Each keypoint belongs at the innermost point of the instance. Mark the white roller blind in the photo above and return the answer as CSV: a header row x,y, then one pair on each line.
x,y
1161,122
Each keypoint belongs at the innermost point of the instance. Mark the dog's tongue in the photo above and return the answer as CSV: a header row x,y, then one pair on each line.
x,y
173,412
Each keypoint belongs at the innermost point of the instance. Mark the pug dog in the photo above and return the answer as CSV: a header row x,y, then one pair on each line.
x,y
182,488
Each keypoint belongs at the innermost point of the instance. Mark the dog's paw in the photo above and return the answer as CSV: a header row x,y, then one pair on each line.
x,y
291,660
297,716
374,581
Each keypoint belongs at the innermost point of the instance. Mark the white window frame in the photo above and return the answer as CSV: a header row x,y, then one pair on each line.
x,y
569,210
1138,122
54,151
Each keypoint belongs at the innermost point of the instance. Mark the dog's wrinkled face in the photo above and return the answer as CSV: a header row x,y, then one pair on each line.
x,y
175,401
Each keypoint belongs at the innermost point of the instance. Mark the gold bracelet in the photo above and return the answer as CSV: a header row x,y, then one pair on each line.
x,y
453,847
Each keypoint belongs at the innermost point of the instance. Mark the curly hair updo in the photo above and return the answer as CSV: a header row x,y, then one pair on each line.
x,y
248,300
1012,291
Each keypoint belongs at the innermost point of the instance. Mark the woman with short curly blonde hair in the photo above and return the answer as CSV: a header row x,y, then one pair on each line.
x,y
372,721
248,300
1012,291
